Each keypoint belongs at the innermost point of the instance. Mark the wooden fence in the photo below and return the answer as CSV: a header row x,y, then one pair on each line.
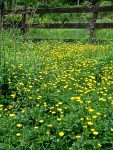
x,y
24,12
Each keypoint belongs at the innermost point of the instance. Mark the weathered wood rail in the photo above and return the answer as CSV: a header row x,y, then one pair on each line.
x,y
95,10
61,10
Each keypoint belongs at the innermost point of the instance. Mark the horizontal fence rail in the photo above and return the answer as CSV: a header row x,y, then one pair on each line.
x,y
61,26
60,10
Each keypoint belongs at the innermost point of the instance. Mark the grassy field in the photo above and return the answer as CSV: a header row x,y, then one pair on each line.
x,y
59,95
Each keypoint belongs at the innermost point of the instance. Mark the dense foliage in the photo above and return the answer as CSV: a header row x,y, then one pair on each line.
x,y
59,96
51,3
53,94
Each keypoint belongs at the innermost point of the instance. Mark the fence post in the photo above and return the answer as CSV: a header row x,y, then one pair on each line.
x,y
23,21
1,13
92,27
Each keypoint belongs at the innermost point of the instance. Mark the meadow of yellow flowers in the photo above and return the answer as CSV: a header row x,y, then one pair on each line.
x,y
60,97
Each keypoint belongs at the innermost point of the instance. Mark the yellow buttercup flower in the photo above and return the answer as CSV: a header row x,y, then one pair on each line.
x,y
49,125
21,83
98,113
72,98
61,134
59,109
37,105
111,129
39,97
77,136
18,134
84,127
58,119
19,125
23,110
94,117
53,112
48,133
12,115
36,127
13,95
41,121
91,110
95,133
90,123
60,103
92,130
99,145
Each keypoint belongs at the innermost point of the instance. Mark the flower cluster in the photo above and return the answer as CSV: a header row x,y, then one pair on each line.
x,y
61,95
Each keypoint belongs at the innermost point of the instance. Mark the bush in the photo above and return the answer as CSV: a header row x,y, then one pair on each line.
x,y
13,18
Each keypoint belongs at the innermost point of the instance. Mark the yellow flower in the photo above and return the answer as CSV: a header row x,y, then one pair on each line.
x,y
90,123
59,109
84,127
41,121
17,89
19,125
94,117
99,145
13,95
49,125
61,134
30,86
77,98
58,119
81,119
88,118
18,134
20,65
30,97
52,107
21,84
65,86
77,136
53,112
60,103
12,115
48,133
95,133
39,97
72,98
111,129
112,102
98,113
45,104
37,105
10,107
92,130
23,110
37,90
81,102
91,110
28,90
36,127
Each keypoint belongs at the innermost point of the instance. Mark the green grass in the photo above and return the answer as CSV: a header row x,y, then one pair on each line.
x,y
81,35
57,34
60,95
